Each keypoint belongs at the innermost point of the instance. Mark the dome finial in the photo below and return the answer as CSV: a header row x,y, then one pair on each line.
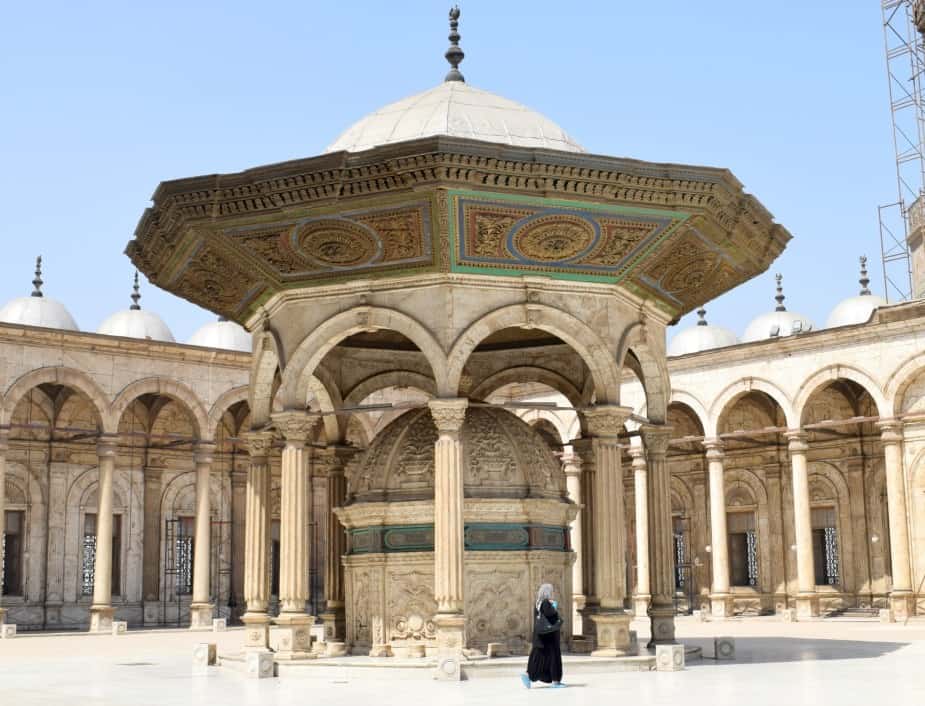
x,y
702,317
454,54
865,280
37,282
136,295
779,297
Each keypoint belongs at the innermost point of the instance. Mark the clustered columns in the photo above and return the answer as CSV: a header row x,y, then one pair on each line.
x,y
296,427
661,539
257,541
586,603
721,602
611,621
101,611
200,607
450,621
640,495
807,602
334,616
901,596
4,447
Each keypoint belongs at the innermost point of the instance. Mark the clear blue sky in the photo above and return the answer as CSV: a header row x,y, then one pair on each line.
x,y
100,101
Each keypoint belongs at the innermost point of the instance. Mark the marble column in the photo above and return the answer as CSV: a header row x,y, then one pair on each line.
x,y
257,541
449,555
902,603
296,427
807,602
586,603
661,536
101,611
334,616
640,495
571,467
611,622
4,448
151,548
200,609
721,603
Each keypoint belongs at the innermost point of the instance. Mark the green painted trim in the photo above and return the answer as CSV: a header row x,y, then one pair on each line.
x,y
377,542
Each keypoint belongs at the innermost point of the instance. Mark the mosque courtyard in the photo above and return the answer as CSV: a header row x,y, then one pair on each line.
x,y
842,660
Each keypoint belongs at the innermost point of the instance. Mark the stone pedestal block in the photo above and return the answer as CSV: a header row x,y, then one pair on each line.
x,y
200,616
101,619
119,627
724,648
662,621
449,668
335,626
807,606
451,633
7,631
669,658
417,651
295,641
2,616
641,606
256,631
380,651
721,606
219,624
204,656
886,615
788,615
335,649
902,606
259,664
497,649
613,634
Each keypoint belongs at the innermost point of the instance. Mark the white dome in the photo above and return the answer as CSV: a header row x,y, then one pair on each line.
x,y
222,334
854,310
136,323
455,109
38,311
701,337
776,324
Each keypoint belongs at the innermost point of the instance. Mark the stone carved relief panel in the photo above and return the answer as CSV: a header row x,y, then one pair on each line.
x,y
411,605
497,606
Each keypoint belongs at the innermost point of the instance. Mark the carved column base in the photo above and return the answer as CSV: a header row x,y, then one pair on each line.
x,y
613,634
335,624
902,605
256,631
721,606
641,604
588,611
101,619
807,605
2,616
295,637
661,618
380,651
200,616
451,633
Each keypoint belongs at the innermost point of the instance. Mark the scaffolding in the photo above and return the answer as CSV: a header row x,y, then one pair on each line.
x,y
905,63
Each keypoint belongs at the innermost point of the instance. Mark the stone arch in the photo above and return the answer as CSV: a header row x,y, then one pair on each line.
x,y
826,482
311,351
909,374
572,331
731,394
527,373
266,363
165,387
650,367
226,400
832,373
534,416
754,498
57,375
392,378
693,404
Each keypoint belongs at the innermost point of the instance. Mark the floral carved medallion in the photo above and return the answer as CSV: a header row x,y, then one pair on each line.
x,y
337,243
553,238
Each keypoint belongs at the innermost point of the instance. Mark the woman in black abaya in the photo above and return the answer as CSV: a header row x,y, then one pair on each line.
x,y
545,663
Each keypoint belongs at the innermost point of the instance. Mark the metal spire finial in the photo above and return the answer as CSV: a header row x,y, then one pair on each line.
x,y
136,295
37,282
454,54
865,280
779,297
702,317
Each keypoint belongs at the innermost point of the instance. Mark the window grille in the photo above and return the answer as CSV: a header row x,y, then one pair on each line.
x,y
88,566
751,544
831,556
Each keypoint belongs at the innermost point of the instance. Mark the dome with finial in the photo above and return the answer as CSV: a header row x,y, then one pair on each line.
x,y
37,309
455,109
701,337
222,334
135,322
858,309
777,323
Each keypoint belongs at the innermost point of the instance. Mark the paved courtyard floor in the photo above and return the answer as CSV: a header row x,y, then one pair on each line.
x,y
836,661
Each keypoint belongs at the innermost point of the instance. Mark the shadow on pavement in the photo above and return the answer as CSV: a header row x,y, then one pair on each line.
x,y
759,650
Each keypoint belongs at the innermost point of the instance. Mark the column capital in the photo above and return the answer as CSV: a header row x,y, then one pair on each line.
x,y
891,431
656,438
797,441
107,446
204,452
638,454
571,465
296,425
715,448
448,414
606,420
259,443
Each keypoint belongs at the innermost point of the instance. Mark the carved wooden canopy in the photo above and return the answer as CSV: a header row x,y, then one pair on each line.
x,y
675,235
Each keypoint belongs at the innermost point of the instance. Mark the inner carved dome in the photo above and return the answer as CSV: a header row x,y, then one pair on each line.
x,y
503,457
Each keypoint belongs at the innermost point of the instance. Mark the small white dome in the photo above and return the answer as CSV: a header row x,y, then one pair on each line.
x,y
136,323
854,310
38,311
222,334
701,337
776,324
456,109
